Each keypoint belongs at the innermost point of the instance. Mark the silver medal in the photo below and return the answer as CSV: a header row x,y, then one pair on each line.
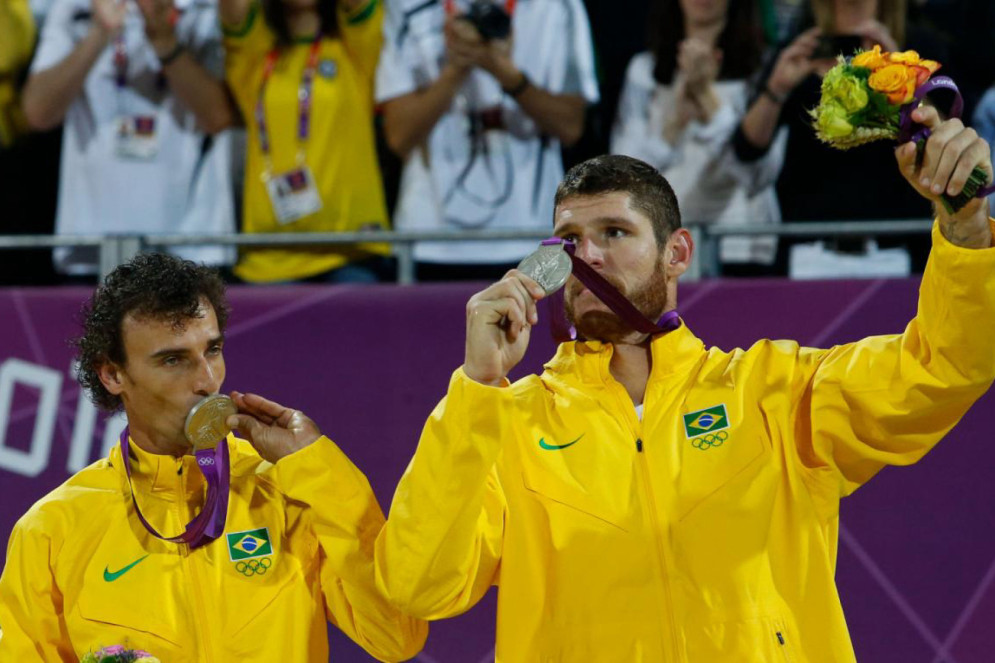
x,y
549,266
206,423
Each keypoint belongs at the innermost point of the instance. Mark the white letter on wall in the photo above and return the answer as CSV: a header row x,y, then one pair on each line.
x,y
49,382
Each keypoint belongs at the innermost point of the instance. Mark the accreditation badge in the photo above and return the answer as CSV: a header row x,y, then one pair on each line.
x,y
293,195
137,137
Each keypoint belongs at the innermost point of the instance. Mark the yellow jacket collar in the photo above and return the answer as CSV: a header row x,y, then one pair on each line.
x,y
163,473
672,353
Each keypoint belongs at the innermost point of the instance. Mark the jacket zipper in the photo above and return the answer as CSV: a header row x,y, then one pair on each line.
x,y
668,603
655,523
782,645
201,625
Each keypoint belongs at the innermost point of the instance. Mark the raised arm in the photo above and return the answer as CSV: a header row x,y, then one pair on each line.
x,y
887,400
52,88
794,64
559,115
333,499
441,547
198,89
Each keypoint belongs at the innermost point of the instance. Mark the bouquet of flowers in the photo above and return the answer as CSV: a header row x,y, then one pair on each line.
x,y
118,654
871,95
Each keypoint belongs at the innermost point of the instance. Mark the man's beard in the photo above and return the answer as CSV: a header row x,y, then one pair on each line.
x,y
649,298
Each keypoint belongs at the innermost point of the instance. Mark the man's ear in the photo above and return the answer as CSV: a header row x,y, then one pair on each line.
x,y
112,377
680,250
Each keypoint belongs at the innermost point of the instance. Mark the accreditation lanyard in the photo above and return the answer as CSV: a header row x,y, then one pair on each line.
x,y
509,7
120,70
304,101
209,524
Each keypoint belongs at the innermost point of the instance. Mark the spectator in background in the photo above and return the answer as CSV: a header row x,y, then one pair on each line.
x,y
18,30
680,106
966,27
139,90
29,163
478,117
302,74
820,183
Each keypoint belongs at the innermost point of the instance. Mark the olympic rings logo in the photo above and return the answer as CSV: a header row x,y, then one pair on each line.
x,y
206,460
254,566
706,442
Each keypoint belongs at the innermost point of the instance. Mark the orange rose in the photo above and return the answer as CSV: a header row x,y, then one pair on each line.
x,y
896,81
873,59
905,57
932,65
922,74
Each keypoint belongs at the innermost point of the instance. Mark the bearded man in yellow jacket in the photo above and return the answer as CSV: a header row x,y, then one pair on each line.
x,y
649,499
86,566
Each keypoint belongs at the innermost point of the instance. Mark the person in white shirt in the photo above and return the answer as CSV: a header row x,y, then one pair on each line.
x,y
680,107
139,88
479,119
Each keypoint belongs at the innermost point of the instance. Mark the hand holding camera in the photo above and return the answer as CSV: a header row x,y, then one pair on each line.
x,y
108,17
481,37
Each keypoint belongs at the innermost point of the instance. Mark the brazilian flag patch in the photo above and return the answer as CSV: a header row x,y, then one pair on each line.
x,y
249,544
704,421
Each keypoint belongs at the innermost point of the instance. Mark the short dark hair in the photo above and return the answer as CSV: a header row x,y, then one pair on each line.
x,y
649,191
276,18
154,286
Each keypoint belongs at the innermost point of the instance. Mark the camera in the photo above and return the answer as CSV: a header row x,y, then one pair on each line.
x,y
491,20
830,46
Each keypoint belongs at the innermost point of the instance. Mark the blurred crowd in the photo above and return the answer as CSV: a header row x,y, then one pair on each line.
x,y
202,117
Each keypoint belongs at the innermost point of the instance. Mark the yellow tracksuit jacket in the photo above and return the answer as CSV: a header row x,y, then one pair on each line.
x,y
82,572
705,532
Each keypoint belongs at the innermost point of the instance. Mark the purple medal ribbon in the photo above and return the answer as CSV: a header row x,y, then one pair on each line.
x,y
907,133
209,524
304,95
608,294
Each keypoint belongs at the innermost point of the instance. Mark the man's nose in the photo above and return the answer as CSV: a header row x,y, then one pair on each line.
x,y
208,379
589,251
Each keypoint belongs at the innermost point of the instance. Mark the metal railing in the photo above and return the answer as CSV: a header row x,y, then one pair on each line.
x,y
116,249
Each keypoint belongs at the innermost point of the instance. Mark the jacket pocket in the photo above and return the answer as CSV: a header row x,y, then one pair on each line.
x,y
757,640
143,613
709,473
592,496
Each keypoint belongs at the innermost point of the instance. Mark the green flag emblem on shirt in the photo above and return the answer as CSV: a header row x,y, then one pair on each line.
x,y
249,544
704,421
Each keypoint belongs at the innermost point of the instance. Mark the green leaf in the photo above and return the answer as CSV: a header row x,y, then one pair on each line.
x,y
975,181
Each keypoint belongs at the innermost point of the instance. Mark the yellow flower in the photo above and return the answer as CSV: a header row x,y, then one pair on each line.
x,y
873,59
846,91
905,57
896,81
832,121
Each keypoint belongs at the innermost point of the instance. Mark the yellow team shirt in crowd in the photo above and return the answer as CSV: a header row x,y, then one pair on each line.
x,y
703,531
82,573
341,147
18,29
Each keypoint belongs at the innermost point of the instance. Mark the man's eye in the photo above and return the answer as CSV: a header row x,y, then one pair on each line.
x,y
615,233
572,237
214,350
171,360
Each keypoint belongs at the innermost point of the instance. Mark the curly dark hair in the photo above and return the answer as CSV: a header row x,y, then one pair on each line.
x,y
153,286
